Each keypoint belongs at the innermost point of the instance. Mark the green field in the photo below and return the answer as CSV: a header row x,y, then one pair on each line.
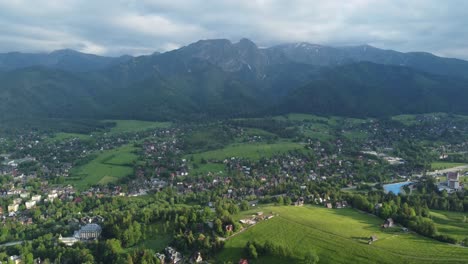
x,y
107,167
123,126
451,223
301,117
208,167
66,136
445,165
407,120
257,132
248,150
339,236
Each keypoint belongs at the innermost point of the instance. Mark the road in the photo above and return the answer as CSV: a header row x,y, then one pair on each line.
x,y
454,169
11,243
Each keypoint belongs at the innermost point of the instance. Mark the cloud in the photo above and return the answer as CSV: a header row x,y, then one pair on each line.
x,y
115,27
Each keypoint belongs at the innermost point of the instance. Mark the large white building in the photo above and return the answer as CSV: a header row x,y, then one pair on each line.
x,y
453,180
87,232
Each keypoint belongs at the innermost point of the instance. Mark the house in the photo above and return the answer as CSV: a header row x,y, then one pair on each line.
x,y
328,205
299,202
196,257
340,205
69,241
30,204
13,208
15,259
161,257
372,238
173,256
247,221
52,196
36,198
388,223
229,228
453,180
243,261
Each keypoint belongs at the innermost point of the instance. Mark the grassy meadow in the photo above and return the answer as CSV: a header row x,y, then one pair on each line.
x,y
454,224
62,136
338,236
440,165
248,150
107,167
252,151
123,126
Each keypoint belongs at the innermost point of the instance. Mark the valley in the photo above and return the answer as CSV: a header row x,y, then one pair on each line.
x,y
312,186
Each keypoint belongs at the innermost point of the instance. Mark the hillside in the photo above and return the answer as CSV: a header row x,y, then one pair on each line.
x,y
338,236
368,89
68,60
219,79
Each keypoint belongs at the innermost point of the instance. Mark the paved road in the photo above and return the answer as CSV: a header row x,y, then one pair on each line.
x,y
11,243
454,169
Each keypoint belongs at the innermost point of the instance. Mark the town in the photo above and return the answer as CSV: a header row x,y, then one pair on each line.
x,y
181,187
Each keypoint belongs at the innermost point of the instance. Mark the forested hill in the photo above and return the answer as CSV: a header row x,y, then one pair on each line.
x,y
218,79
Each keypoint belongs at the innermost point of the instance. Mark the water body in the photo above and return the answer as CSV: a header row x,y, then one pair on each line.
x,y
395,187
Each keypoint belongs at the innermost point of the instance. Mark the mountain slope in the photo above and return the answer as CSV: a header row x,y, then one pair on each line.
x,y
67,60
368,89
219,79
335,56
41,92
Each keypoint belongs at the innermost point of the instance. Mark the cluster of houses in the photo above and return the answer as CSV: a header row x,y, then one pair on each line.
x,y
259,216
391,160
24,199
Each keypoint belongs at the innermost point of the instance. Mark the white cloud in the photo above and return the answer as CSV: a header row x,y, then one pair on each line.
x,y
115,27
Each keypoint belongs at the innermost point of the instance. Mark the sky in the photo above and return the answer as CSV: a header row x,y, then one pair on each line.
x,y
116,27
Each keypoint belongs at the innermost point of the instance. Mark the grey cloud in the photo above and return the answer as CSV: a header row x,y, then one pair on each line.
x,y
115,27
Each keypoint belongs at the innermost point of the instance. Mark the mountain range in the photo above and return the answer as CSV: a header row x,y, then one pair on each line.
x,y
219,79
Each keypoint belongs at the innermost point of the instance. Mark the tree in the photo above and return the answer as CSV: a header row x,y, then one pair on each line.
x,y
28,258
252,251
280,200
244,206
311,257
218,226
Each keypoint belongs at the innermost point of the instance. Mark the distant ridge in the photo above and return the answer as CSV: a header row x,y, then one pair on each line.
x,y
219,79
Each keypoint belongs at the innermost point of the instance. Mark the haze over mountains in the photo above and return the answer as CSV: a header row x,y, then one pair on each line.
x,y
217,78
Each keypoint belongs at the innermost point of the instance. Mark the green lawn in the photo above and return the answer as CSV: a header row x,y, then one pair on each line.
x,y
301,117
257,132
451,223
208,167
355,135
406,119
440,165
107,167
248,150
65,136
136,125
339,236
